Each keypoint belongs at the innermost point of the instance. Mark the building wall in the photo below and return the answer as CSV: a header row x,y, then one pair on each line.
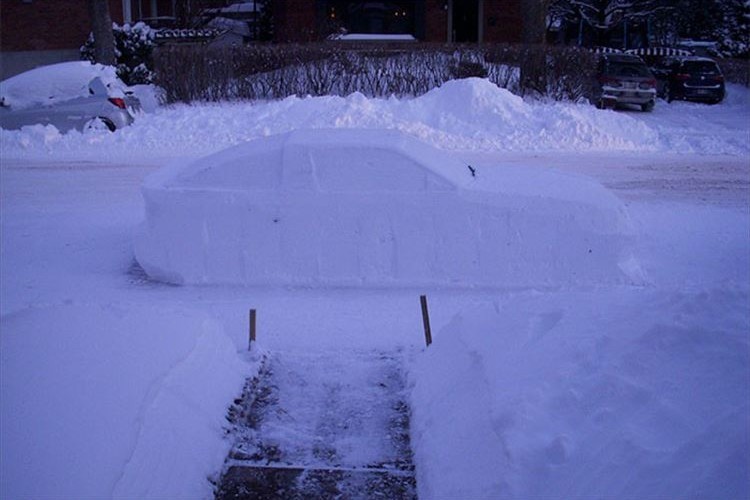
x,y
436,21
39,32
296,20
502,21
47,24
299,20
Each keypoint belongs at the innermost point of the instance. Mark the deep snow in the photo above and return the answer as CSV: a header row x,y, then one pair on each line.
x,y
461,115
568,396
111,399
582,392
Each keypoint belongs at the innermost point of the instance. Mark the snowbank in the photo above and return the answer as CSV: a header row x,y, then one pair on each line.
x,y
471,114
106,401
350,207
566,396
55,83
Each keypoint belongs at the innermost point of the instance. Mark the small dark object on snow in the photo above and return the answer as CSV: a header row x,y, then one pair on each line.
x,y
472,170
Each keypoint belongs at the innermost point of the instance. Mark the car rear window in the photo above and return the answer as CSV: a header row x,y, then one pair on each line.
x,y
628,69
700,67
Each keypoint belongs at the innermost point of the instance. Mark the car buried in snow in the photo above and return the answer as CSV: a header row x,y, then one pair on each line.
x,y
353,207
75,95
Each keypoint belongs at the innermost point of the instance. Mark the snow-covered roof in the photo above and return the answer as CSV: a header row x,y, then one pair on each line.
x,y
605,50
304,160
235,26
659,51
236,8
183,34
373,36
697,43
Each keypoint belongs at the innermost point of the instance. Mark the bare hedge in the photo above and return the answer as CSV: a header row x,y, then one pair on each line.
x,y
736,70
197,73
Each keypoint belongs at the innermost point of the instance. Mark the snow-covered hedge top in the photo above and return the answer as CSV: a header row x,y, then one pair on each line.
x,y
55,83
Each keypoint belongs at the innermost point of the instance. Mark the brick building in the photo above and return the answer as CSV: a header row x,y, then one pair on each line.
x,y
458,21
36,32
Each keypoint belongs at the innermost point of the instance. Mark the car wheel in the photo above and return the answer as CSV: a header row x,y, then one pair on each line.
x,y
648,106
99,123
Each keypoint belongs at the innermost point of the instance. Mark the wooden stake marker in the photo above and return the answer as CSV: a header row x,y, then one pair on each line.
x,y
252,329
426,320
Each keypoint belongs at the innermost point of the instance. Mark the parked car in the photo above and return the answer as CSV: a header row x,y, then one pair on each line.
x,y
658,60
75,95
624,79
694,79
701,48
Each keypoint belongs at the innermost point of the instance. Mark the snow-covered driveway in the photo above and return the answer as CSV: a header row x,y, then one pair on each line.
x,y
323,424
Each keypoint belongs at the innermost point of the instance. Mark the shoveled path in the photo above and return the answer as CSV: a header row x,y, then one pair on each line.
x,y
322,425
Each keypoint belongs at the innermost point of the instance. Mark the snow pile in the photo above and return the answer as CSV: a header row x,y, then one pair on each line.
x,y
102,401
470,114
565,396
351,207
55,83
475,114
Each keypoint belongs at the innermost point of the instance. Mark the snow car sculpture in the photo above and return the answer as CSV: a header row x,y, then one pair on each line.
x,y
352,207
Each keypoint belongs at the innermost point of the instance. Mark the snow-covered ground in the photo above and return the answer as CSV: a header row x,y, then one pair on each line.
x,y
116,386
461,115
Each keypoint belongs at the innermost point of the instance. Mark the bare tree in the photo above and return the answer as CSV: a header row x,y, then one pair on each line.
x,y
101,27
190,13
600,17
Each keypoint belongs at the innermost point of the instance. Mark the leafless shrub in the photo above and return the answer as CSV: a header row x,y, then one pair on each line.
x,y
736,70
197,73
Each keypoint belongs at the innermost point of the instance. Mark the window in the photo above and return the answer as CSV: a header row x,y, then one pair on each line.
x,y
391,17
373,170
706,67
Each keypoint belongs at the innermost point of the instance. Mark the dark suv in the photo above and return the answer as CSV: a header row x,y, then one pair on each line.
x,y
694,79
624,79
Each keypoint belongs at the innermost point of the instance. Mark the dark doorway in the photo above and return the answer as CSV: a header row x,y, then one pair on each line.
x,y
465,21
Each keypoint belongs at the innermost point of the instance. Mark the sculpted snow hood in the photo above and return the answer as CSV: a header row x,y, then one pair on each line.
x,y
352,207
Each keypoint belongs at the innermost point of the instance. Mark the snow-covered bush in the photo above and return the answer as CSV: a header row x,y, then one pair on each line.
x,y
134,46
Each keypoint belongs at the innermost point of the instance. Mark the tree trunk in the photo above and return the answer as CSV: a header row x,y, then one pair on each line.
x,y
101,27
533,32
533,18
